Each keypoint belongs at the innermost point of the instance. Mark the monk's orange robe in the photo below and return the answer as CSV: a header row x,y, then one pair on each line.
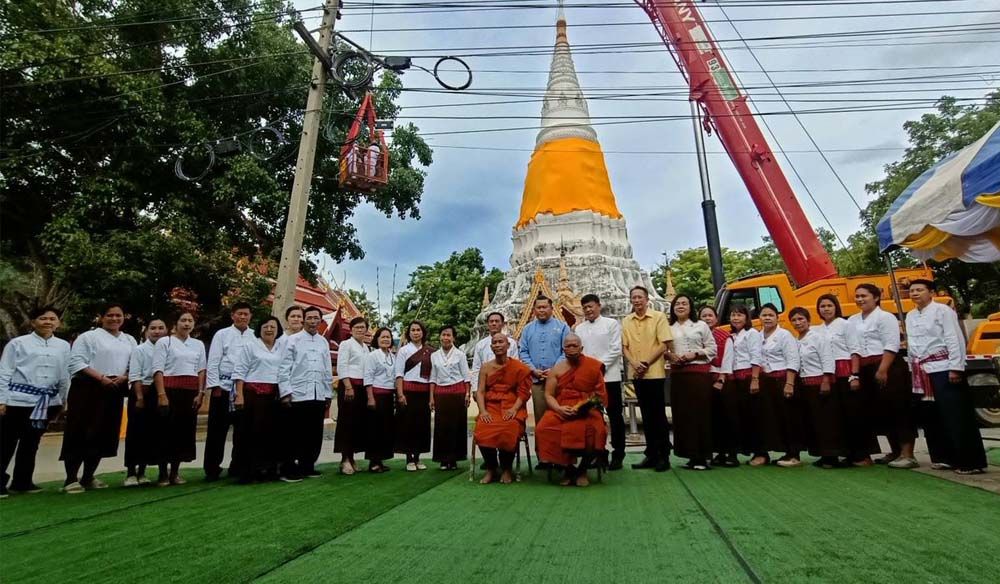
x,y
503,387
560,440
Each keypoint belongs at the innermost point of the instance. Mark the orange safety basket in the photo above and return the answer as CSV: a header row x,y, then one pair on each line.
x,y
364,166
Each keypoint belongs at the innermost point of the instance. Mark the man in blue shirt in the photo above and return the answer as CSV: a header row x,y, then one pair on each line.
x,y
540,349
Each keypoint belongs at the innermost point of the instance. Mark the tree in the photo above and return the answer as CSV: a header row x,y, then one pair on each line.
x,y
447,292
100,101
367,307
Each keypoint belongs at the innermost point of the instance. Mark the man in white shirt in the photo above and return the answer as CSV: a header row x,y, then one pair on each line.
x,y
227,344
483,353
305,384
936,348
602,340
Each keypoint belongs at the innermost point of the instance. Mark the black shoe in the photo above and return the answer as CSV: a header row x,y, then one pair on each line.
x,y
3,492
731,461
29,488
662,466
719,460
245,480
646,463
290,478
312,472
211,478
543,466
616,464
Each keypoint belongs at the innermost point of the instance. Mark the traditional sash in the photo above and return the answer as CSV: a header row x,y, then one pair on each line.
x,y
842,368
382,391
39,415
261,388
423,357
812,380
742,374
921,380
180,382
779,374
871,360
693,368
721,337
458,388
417,386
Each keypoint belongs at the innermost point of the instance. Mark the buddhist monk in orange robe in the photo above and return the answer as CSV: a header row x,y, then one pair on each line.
x,y
502,414
573,425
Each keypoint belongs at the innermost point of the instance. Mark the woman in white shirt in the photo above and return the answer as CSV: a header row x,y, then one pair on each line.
x,y
34,379
747,360
821,404
179,366
859,441
255,381
779,411
99,365
691,383
349,438
450,398
413,385
380,383
883,380
143,415
725,397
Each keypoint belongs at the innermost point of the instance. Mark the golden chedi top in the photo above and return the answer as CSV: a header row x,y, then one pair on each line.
x,y
567,171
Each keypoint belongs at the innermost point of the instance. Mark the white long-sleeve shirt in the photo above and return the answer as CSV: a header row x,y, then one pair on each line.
x,y
258,364
380,369
226,346
780,351
449,368
695,337
32,360
728,359
106,353
172,356
414,373
602,340
306,371
351,357
877,333
843,337
140,364
932,329
815,356
747,346
483,354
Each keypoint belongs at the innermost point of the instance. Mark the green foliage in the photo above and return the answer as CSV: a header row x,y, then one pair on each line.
x,y
447,292
367,308
98,105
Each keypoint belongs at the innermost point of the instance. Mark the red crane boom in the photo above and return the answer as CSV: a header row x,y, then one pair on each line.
x,y
692,47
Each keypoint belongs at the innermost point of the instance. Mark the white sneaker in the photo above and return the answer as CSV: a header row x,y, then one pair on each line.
x,y
411,467
73,489
96,484
143,481
131,482
791,463
904,462
941,466
421,466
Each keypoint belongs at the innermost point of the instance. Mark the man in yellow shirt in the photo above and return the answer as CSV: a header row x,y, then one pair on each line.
x,y
645,339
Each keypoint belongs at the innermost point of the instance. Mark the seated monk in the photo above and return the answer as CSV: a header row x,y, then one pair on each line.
x,y
573,425
507,384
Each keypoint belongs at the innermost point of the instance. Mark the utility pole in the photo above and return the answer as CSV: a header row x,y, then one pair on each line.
x,y
291,248
707,203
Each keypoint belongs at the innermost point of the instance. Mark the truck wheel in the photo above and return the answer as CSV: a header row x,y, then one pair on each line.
x,y
988,417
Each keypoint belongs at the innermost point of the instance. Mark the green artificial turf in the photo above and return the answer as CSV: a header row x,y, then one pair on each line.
x,y
726,525
993,454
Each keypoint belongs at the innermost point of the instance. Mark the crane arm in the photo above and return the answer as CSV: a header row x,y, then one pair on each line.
x,y
692,47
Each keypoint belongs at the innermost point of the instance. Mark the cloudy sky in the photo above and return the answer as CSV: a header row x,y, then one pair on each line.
x,y
473,189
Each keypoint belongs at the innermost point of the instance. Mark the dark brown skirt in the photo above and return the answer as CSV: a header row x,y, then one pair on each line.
x,y
451,427
259,431
893,403
413,423
349,436
856,415
141,431
380,428
729,409
182,421
767,420
691,404
791,413
93,420
824,422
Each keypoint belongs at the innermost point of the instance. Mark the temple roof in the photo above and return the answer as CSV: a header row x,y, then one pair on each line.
x,y
567,171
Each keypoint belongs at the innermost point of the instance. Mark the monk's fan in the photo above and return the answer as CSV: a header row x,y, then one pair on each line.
x,y
584,406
